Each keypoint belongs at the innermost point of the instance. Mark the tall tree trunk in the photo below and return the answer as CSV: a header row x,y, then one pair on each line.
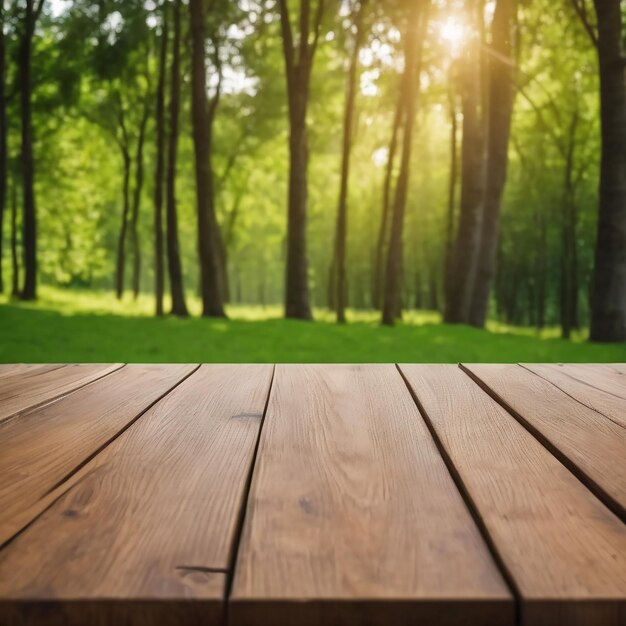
x,y
202,116
159,274
29,292
569,265
174,265
3,137
379,264
608,304
342,209
467,246
501,93
121,240
453,176
139,176
412,67
541,273
15,262
298,69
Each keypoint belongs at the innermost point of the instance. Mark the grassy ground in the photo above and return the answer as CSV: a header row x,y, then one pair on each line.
x,y
71,326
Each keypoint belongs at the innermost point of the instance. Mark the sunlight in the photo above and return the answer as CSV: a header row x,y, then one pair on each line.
x,y
454,33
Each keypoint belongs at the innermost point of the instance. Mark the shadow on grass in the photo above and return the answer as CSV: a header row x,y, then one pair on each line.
x,y
39,334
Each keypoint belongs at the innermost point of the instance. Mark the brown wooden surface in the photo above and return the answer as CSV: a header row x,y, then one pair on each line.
x,y
39,450
563,548
412,496
26,388
591,445
154,515
606,398
352,510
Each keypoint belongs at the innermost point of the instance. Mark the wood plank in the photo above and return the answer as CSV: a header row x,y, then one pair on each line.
x,y
153,518
608,404
42,448
15,369
564,549
352,516
604,377
29,388
589,444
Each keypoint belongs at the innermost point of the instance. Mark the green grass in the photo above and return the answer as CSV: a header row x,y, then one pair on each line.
x,y
80,326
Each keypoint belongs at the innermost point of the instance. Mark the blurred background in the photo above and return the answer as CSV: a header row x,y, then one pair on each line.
x,y
312,180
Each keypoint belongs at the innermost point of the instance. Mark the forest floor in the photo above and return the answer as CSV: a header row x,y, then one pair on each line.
x,y
87,326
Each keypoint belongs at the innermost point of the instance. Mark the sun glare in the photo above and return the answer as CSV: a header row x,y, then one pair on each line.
x,y
452,31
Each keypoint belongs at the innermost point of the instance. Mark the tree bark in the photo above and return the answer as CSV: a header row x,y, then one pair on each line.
x,y
608,304
501,93
121,241
202,117
453,176
412,67
29,291
342,209
379,266
139,176
467,246
298,74
179,307
3,137
15,262
159,273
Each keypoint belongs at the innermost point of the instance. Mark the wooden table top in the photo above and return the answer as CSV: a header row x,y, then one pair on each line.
x,y
313,495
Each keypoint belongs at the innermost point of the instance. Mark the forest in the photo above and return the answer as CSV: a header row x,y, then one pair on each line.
x,y
462,157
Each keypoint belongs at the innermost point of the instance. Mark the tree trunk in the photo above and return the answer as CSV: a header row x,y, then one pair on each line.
x,y
467,246
208,235
453,177
15,263
608,305
3,138
121,241
342,210
393,276
29,243
569,266
500,111
174,265
298,74
139,176
159,274
379,266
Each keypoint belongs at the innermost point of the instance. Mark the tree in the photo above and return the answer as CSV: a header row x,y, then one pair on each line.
x,y
298,67
501,86
416,25
342,209
3,134
32,12
159,274
203,115
173,255
467,245
139,176
608,302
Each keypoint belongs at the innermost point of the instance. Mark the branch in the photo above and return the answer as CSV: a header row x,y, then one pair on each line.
x,y
580,6
218,88
318,25
305,16
287,37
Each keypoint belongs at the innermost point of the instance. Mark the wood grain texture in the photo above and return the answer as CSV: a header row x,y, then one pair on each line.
x,y
610,404
352,516
607,378
39,450
152,518
563,548
589,444
28,387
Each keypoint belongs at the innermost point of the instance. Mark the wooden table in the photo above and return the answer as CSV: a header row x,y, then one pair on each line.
x,y
300,495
